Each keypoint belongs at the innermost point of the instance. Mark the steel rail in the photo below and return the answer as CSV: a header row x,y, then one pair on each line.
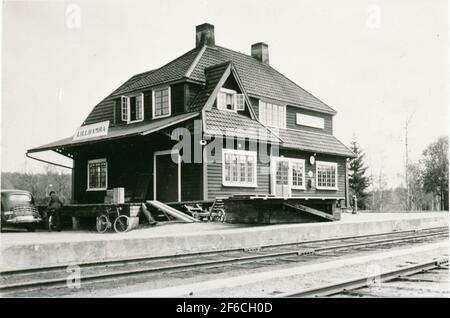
x,y
212,263
210,252
346,285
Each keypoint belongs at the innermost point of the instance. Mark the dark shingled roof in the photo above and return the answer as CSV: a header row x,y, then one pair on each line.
x,y
258,79
174,70
120,131
314,142
226,123
207,65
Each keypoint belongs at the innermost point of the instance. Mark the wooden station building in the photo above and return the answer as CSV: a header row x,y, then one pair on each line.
x,y
234,106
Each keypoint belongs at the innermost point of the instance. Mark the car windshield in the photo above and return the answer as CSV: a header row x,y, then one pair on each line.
x,y
22,197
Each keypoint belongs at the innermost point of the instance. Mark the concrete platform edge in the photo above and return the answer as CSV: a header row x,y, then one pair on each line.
x,y
23,256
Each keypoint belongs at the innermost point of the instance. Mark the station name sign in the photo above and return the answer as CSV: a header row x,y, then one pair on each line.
x,y
91,131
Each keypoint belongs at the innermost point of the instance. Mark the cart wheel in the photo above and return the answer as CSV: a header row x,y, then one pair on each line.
x,y
221,216
50,223
102,224
121,224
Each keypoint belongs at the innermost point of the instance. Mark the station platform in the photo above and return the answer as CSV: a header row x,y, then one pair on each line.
x,y
21,250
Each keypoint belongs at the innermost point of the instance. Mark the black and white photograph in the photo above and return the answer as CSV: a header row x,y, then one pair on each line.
x,y
240,152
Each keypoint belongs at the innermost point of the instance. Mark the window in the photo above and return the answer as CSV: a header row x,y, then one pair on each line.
x,y
311,121
240,102
20,198
132,108
272,115
161,102
124,108
289,172
326,174
239,168
228,99
298,173
97,174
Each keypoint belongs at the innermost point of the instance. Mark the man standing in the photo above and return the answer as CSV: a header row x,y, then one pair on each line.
x,y
54,206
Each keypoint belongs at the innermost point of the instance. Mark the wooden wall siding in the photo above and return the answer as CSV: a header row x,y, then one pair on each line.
x,y
118,112
177,98
190,92
192,173
128,160
148,106
216,189
255,105
315,192
191,181
231,83
111,109
291,120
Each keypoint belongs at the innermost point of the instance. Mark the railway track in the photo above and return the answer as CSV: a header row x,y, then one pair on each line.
x,y
54,277
344,287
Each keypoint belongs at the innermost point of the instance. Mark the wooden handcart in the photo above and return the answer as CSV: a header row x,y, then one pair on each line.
x,y
107,216
112,218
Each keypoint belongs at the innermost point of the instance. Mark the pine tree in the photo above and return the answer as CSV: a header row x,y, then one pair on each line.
x,y
435,174
358,182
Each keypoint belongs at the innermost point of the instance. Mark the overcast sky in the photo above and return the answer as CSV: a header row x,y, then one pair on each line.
x,y
375,62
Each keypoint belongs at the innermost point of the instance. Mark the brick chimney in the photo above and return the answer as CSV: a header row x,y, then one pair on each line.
x,y
204,35
260,51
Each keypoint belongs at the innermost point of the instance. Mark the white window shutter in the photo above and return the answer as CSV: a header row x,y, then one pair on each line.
x,y
262,113
240,102
220,101
124,108
140,107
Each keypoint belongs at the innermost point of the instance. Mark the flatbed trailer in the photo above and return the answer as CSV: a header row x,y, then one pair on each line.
x,y
107,216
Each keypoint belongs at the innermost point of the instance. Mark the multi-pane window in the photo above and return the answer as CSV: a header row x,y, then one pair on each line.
x,y
132,108
161,102
125,108
228,99
326,174
272,115
298,174
282,172
238,168
97,174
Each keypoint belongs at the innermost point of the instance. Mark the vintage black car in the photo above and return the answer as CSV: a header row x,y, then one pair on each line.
x,y
18,210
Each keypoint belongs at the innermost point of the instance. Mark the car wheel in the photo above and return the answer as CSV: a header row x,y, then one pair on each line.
x,y
31,228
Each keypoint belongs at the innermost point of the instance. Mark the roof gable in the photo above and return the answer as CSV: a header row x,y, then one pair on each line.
x,y
259,79
215,77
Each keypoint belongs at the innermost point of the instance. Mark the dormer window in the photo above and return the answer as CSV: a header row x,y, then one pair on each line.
x,y
133,108
228,99
161,102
